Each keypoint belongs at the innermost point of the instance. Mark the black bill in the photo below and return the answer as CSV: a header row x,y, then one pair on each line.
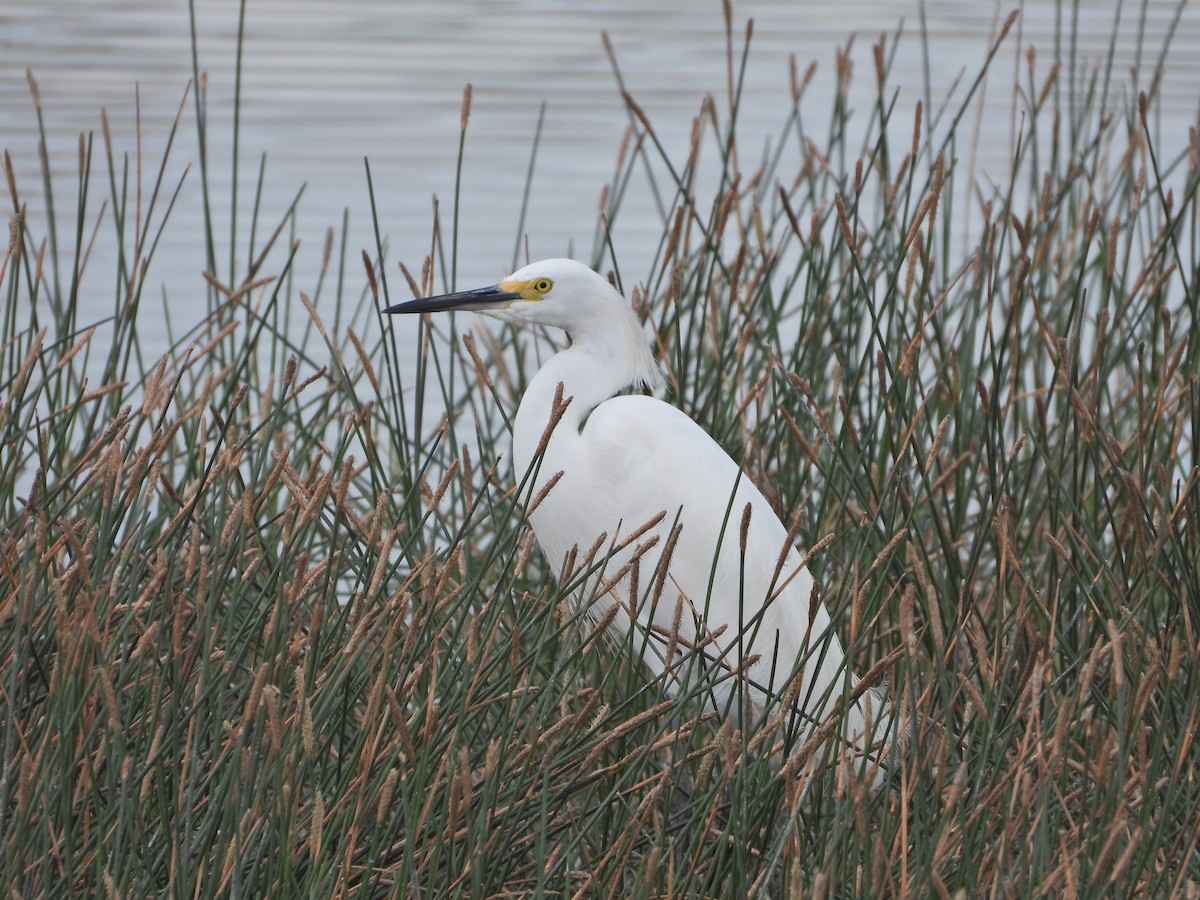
x,y
479,299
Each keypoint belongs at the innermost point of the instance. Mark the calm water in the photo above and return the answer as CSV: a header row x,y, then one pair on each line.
x,y
326,84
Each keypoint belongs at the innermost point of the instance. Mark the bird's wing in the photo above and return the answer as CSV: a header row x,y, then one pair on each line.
x,y
645,457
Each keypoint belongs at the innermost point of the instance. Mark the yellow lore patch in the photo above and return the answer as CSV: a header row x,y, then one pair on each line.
x,y
534,291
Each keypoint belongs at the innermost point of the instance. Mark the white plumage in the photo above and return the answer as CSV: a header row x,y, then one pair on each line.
x,y
625,460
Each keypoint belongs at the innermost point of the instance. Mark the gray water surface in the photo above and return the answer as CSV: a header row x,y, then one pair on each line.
x,y
325,85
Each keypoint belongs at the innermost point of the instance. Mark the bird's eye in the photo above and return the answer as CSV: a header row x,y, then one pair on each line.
x,y
542,285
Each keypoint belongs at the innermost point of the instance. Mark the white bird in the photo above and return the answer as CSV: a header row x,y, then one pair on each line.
x,y
617,462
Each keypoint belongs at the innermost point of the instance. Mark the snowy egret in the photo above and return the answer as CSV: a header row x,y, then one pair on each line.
x,y
715,569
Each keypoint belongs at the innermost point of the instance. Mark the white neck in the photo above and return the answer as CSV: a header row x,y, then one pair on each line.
x,y
608,353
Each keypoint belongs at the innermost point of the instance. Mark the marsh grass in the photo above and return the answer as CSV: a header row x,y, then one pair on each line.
x,y
271,623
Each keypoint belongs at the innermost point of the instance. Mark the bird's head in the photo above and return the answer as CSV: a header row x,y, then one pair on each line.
x,y
563,294
558,292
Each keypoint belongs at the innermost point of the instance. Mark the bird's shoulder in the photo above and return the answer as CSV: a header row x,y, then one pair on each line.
x,y
640,418
636,430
